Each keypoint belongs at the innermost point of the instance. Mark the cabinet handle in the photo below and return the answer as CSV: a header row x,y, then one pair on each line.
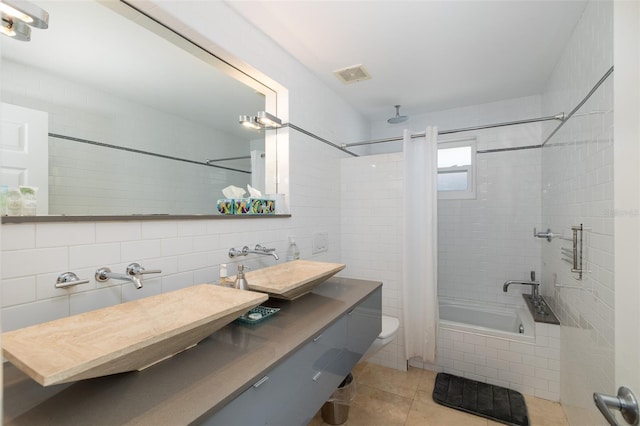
x,y
317,376
317,338
260,382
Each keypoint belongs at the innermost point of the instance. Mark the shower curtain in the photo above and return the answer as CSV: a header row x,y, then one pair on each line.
x,y
257,170
420,245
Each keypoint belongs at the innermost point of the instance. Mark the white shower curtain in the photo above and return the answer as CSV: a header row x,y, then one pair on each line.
x,y
257,170
420,245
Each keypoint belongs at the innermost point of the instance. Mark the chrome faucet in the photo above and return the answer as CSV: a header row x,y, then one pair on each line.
x,y
258,249
134,274
104,274
535,294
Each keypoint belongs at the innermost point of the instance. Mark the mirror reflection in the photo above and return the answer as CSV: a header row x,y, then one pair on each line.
x,y
107,117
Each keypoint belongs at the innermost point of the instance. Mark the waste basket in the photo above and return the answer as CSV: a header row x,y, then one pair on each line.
x,y
336,410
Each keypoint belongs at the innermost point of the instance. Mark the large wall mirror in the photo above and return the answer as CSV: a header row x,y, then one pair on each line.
x,y
125,117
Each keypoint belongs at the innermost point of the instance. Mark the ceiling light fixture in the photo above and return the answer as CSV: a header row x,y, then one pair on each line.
x,y
18,16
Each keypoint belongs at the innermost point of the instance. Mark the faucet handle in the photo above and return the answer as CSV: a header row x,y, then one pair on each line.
x,y
135,269
69,279
233,252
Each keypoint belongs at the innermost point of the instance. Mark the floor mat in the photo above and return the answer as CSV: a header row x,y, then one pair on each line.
x,y
482,399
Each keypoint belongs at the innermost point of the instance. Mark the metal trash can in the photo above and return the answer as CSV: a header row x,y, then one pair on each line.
x,y
336,410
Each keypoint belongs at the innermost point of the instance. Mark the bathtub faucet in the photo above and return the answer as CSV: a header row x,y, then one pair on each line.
x,y
535,294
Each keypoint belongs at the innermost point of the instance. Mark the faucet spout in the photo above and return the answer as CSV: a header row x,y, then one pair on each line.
x,y
259,249
534,287
104,274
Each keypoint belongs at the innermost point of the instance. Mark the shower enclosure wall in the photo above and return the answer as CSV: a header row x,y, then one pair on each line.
x,y
482,242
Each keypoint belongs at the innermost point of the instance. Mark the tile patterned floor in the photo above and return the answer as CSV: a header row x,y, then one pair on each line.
x,y
390,397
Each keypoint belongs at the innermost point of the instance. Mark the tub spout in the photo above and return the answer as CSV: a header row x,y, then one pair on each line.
x,y
534,287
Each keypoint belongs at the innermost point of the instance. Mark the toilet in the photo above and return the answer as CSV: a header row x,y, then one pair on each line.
x,y
389,330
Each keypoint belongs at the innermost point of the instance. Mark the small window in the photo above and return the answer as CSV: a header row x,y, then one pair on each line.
x,y
456,169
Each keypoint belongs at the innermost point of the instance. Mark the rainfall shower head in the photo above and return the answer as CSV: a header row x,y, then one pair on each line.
x,y
398,118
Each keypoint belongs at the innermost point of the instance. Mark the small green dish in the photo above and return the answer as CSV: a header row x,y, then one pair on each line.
x,y
257,314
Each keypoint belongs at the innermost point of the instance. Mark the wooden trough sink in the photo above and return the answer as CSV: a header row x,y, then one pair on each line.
x,y
291,280
125,337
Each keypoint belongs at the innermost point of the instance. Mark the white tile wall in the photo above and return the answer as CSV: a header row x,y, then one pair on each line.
x,y
371,235
482,242
486,241
528,367
577,181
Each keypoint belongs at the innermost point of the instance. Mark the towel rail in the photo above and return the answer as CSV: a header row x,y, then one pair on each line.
x,y
575,255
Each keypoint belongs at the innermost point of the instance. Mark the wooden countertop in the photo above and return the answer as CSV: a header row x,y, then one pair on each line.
x,y
193,383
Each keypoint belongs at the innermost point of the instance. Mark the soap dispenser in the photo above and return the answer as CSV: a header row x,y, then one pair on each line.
x,y
293,252
241,281
224,276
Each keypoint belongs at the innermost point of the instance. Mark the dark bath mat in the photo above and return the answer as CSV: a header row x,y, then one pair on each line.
x,y
482,399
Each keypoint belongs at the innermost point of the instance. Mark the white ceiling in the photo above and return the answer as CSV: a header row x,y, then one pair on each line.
x,y
424,55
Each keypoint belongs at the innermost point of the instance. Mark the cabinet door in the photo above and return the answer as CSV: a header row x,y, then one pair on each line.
x,y
364,325
292,390
317,382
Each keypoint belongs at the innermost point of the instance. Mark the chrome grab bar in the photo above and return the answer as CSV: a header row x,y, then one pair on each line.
x,y
625,401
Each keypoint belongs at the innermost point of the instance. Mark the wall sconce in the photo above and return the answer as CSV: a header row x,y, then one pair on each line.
x,y
268,120
250,122
264,120
18,16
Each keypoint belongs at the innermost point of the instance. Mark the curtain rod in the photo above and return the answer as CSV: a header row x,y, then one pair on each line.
x,y
243,157
139,151
559,116
582,102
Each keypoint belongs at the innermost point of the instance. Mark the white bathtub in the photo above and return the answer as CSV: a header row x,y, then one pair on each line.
x,y
481,341
487,319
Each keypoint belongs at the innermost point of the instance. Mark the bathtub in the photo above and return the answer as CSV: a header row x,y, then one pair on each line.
x,y
487,319
481,341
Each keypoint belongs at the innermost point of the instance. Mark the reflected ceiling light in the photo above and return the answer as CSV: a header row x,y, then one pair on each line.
x,y
14,28
250,122
268,120
18,16
264,120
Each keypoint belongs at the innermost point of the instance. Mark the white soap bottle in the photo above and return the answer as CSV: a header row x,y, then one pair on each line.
x,y
293,252
224,276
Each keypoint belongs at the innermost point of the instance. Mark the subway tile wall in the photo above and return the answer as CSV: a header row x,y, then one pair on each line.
x,y
577,182
531,367
481,242
188,251
486,241
372,235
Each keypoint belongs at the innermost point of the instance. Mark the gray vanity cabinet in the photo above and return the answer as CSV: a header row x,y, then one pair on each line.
x,y
293,391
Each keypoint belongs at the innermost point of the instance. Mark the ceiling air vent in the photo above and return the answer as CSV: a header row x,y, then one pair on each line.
x,y
352,74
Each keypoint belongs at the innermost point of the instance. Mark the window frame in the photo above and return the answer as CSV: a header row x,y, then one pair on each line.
x,y
470,193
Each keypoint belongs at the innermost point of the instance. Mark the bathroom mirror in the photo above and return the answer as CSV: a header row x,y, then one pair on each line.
x,y
139,121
